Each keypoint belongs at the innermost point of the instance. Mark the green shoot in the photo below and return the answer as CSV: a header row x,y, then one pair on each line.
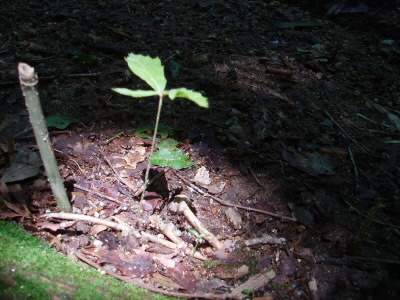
x,y
199,237
248,292
152,72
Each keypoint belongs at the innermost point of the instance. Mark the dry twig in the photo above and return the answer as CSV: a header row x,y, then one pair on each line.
x,y
231,204
124,227
98,194
346,133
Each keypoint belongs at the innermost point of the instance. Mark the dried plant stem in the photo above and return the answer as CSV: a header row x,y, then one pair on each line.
x,y
28,80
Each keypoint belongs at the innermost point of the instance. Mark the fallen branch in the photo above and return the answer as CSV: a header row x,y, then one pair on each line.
x,y
94,220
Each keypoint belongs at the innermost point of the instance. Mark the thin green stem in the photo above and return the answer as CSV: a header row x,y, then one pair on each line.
x,y
146,176
195,247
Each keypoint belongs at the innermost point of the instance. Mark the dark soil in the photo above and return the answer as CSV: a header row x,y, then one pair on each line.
x,y
301,141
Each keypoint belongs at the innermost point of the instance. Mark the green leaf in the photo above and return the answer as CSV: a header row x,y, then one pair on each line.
x,y
169,144
148,69
194,232
174,159
163,131
196,97
59,122
136,93
203,235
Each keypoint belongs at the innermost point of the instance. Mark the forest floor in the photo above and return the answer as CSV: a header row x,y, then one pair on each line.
x,y
299,149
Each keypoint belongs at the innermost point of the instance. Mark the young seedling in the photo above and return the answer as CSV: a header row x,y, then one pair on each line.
x,y
199,237
152,72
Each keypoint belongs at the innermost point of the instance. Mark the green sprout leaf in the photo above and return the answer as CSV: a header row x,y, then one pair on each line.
x,y
174,159
59,122
136,93
203,235
196,97
169,144
163,130
148,69
194,232
197,234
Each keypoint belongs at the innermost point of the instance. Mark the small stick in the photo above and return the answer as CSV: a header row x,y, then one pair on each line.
x,y
94,220
255,177
373,259
171,245
106,142
234,205
365,118
354,167
279,71
122,180
190,216
346,133
83,75
375,221
98,194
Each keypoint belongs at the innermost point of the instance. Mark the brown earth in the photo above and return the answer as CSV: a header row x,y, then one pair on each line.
x,y
301,142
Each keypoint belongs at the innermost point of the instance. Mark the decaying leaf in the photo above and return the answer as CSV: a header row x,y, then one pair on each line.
x,y
312,163
25,165
140,266
183,276
234,217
